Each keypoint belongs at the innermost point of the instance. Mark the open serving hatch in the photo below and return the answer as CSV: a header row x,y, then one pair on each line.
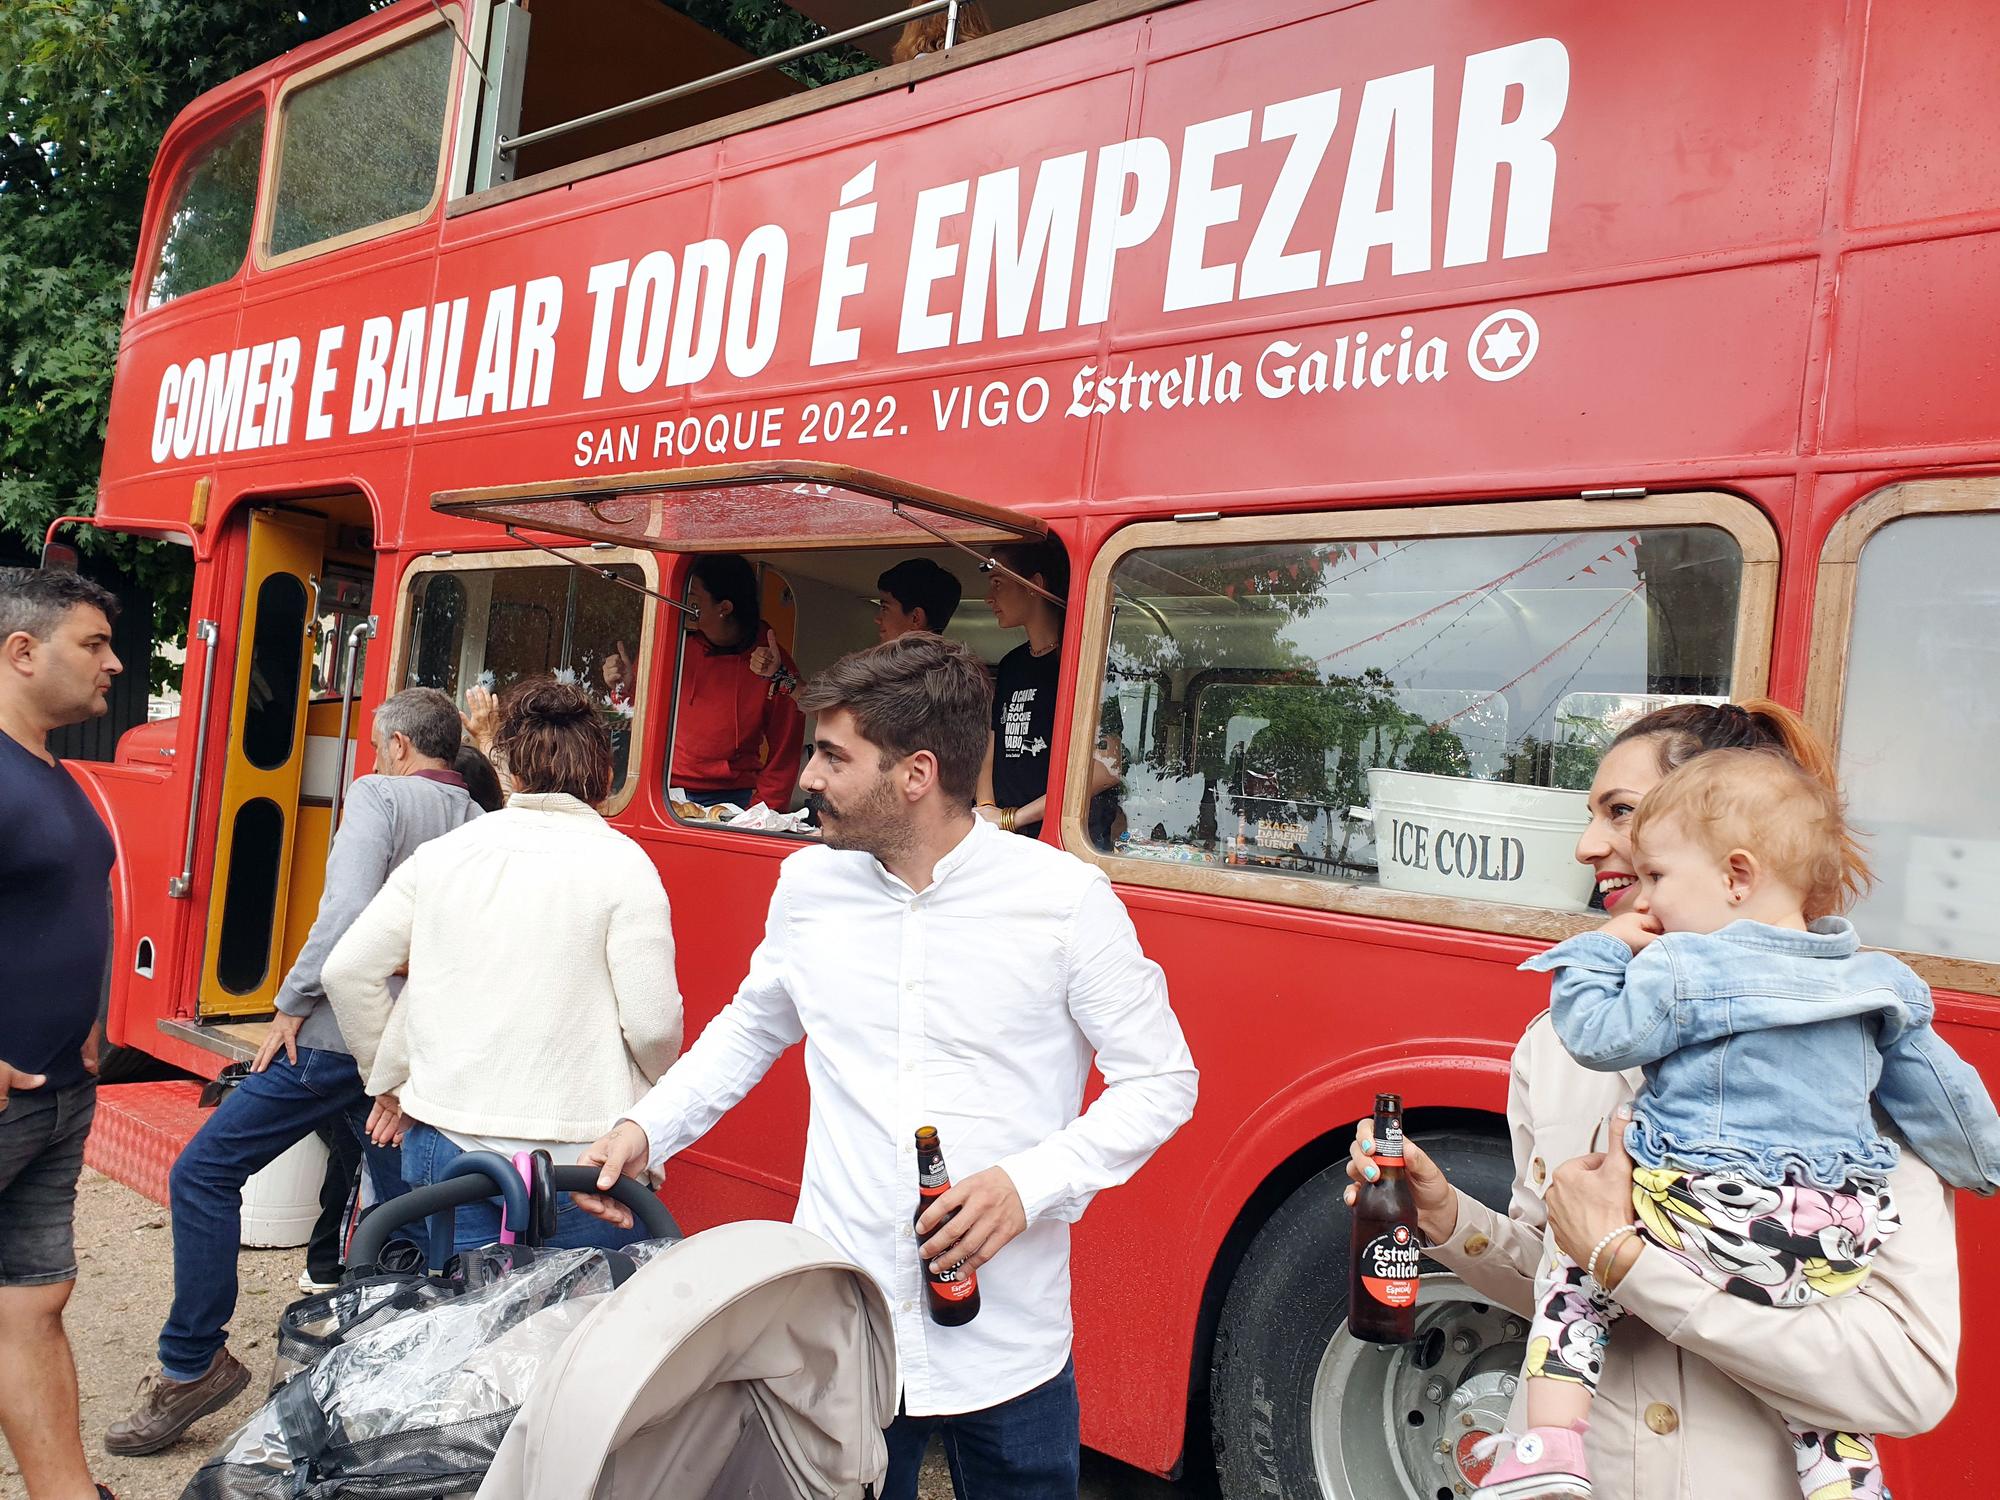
x,y
785,505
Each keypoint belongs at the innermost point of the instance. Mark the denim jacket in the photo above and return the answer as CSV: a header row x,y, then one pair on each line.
x,y
1761,1047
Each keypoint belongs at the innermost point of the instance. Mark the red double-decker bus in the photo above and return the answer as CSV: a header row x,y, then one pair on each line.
x,y
1419,388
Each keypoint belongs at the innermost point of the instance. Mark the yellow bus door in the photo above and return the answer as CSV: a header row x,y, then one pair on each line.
x,y
264,761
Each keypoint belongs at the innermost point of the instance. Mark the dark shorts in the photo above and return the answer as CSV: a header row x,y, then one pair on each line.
x,y
41,1156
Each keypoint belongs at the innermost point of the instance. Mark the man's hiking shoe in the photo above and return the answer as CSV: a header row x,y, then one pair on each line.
x,y
167,1408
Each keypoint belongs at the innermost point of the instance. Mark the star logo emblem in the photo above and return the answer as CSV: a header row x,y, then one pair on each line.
x,y
1503,345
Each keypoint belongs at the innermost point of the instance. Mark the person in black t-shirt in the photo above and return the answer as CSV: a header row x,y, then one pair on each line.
x,y
56,666
1014,783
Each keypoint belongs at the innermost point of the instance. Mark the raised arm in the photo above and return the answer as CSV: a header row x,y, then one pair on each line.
x,y
784,731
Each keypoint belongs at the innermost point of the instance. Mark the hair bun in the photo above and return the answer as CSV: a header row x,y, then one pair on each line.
x,y
543,700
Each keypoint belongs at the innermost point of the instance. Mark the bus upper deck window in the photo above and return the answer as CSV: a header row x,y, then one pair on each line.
x,y
205,228
362,148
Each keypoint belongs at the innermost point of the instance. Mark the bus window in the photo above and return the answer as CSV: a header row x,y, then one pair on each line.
x,y
584,56
1920,717
1289,707
361,151
205,231
493,624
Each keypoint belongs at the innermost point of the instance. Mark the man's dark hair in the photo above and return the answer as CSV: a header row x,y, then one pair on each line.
x,y
1044,556
36,599
727,575
554,740
919,583
426,718
916,692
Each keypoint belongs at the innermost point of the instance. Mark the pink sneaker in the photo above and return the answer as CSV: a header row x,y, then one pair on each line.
x,y
1543,1463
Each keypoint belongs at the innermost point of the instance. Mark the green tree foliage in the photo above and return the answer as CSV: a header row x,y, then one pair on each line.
x,y
1211,632
762,27
88,87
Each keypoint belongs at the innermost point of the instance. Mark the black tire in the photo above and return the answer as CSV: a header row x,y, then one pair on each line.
x,y
1287,1303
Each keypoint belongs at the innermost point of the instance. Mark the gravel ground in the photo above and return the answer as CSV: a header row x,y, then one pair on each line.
x,y
125,1255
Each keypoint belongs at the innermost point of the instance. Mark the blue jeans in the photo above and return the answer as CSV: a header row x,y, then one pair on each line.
x,y
1029,1448
257,1122
426,1155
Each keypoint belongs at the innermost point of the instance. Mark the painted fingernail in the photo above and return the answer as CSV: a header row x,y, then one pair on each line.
x,y
1371,1171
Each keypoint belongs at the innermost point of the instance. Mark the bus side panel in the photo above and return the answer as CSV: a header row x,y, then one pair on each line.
x,y
141,807
1948,1460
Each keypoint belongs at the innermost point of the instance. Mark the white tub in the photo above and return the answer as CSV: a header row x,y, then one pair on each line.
x,y
281,1202
1480,840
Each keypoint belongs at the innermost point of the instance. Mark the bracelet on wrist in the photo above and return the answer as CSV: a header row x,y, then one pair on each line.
x,y
1007,819
1590,1266
1618,1265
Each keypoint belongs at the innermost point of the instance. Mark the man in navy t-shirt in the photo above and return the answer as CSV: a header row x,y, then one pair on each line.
x,y
56,665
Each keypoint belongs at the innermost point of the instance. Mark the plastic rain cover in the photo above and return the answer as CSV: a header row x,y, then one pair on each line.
x,y
415,1406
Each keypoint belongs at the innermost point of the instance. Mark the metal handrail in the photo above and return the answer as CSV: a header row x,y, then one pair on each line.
x,y
511,144
365,631
208,633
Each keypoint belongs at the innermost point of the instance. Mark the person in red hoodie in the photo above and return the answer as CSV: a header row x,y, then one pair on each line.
x,y
737,733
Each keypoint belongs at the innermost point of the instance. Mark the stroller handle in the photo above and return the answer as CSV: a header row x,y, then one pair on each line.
x,y
646,1206
473,1177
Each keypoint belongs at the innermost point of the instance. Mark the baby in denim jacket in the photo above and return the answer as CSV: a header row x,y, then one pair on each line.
x,y
1763,1037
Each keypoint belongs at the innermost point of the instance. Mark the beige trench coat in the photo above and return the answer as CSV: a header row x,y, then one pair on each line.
x,y
1685,1410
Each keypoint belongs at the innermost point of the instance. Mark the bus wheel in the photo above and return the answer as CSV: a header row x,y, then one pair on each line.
x,y
1302,1411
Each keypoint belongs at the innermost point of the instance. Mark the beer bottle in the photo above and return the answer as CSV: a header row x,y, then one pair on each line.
x,y
1382,1259
952,1296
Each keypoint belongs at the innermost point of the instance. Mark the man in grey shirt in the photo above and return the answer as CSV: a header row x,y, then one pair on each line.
x,y
302,1078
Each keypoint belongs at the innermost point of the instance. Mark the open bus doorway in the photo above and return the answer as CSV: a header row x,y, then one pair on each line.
x,y
284,761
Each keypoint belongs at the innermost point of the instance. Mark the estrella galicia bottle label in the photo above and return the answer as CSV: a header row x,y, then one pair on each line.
x,y
958,1283
1389,1267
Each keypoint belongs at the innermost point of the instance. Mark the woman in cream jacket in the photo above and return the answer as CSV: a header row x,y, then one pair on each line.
x,y
541,1001
1685,1408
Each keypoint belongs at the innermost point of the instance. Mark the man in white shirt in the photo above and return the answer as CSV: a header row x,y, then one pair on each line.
x,y
942,973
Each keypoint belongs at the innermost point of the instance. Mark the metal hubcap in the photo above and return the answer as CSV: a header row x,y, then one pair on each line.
x,y
1400,1422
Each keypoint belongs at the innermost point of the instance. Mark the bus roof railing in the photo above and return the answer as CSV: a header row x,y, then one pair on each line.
x,y
510,145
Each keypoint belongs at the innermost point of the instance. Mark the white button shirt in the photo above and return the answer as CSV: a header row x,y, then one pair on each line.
x,y
973,1005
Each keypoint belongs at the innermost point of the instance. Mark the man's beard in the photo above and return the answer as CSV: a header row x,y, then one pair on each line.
x,y
874,823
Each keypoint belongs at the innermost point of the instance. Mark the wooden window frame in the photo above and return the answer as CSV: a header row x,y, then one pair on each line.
x,y
468,562
1749,672
448,18
1833,633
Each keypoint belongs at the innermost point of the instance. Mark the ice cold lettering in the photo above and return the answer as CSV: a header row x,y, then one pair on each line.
x,y
1452,851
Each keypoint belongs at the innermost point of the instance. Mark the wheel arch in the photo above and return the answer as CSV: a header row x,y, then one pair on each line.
x,y
1299,1132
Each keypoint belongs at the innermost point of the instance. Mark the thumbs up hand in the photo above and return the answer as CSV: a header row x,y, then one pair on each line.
x,y
765,660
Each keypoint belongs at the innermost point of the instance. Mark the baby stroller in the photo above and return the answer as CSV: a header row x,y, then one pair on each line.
x,y
750,1362
399,1385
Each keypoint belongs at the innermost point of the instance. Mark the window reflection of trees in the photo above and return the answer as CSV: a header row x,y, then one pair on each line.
x,y
1252,687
